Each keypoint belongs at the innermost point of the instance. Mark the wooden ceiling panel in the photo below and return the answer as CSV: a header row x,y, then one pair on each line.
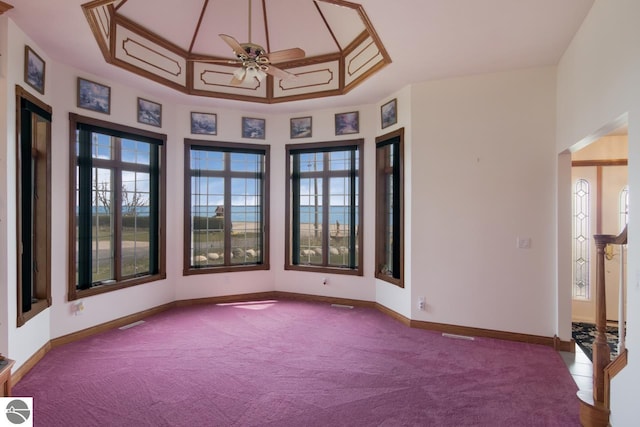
x,y
173,21
345,22
173,47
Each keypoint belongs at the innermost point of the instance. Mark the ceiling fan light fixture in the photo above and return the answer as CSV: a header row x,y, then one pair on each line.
x,y
255,73
239,73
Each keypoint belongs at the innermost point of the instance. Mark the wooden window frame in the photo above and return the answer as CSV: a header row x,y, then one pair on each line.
x,y
75,122
228,147
290,249
395,141
33,218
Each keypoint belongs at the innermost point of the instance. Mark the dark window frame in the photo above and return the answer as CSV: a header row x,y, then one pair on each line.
x,y
227,147
159,258
33,216
291,253
395,273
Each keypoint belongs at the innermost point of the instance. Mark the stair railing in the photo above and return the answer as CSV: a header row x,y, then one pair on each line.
x,y
622,310
595,409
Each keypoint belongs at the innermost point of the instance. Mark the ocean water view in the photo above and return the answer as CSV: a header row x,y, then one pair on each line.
x,y
250,213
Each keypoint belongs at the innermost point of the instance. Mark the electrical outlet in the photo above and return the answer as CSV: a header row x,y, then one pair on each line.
x,y
523,243
422,303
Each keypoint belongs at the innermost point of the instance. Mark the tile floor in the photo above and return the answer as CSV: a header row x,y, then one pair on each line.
x,y
580,367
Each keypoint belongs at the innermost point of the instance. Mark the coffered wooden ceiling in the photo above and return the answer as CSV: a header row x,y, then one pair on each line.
x,y
172,47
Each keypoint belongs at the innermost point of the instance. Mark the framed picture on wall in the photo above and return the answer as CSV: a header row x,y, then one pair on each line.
x,y
389,113
301,127
253,128
347,123
149,112
94,96
34,68
204,123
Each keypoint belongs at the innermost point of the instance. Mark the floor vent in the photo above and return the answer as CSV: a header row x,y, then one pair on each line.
x,y
458,337
131,325
341,306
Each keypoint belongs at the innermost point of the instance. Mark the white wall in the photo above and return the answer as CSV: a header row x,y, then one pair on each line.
x,y
599,81
483,159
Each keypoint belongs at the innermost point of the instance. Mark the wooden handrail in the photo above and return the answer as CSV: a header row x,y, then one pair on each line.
x,y
601,353
611,371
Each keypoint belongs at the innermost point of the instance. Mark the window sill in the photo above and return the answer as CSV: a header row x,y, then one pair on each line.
x,y
321,269
104,288
386,278
36,308
192,271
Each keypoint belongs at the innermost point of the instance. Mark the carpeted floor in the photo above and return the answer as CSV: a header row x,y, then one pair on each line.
x,y
289,363
585,333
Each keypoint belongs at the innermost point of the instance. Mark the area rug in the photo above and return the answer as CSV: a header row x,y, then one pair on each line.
x,y
584,334
293,363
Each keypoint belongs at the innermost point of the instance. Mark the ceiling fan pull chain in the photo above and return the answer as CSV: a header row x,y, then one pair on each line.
x,y
249,21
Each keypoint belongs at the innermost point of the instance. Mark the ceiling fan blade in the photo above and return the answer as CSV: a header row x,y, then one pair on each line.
x,y
285,55
237,80
216,61
233,44
278,73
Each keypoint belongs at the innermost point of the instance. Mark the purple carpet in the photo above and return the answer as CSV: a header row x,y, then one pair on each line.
x,y
289,363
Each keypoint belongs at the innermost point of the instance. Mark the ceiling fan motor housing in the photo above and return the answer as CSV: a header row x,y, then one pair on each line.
x,y
252,52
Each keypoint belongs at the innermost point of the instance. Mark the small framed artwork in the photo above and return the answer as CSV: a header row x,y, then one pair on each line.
x,y
347,123
94,96
34,67
389,113
301,127
149,112
204,123
253,128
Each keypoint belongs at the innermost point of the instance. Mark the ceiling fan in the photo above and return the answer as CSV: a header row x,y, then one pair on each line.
x,y
255,62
